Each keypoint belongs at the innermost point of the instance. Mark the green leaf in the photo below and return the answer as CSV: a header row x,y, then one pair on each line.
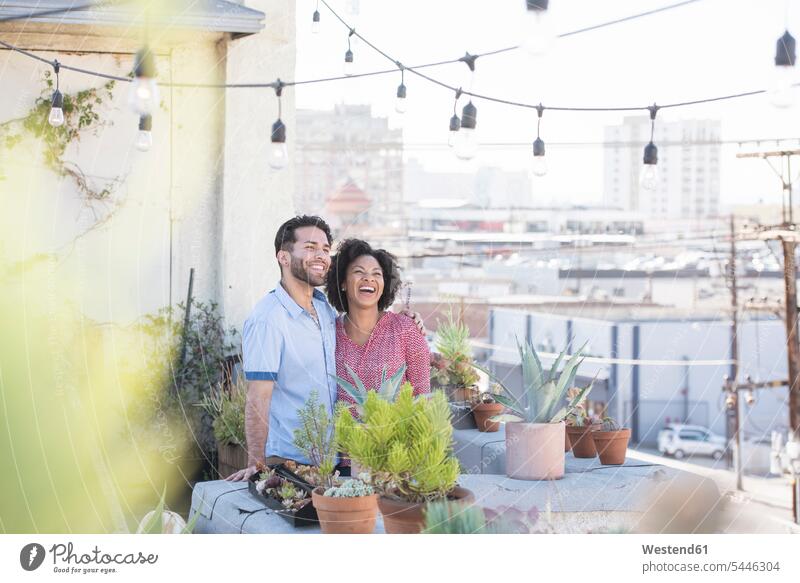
x,y
348,388
155,525
356,379
189,528
512,404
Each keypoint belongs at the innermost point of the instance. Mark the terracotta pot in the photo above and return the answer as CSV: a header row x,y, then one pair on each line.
x,y
611,446
581,442
534,451
401,517
345,515
567,444
482,413
230,459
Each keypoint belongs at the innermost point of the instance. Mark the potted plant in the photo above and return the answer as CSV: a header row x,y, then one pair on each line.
x,y
452,368
484,408
349,508
407,447
611,442
358,392
226,408
580,426
535,433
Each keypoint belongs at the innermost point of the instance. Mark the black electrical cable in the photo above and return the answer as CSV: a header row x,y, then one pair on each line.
x,y
413,69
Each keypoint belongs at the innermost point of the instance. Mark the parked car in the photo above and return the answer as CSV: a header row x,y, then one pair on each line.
x,y
682,440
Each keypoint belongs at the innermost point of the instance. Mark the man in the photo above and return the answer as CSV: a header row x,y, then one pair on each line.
x,y
289,345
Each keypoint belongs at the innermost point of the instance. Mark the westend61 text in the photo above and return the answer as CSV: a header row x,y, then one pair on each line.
x,y
673,550
65,554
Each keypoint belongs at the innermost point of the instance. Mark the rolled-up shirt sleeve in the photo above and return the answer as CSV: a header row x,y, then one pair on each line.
x,y
262,345
418,361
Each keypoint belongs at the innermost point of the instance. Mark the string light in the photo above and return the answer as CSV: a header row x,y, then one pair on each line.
x,y
466,140
648,178
315,21
348,56
467,143
143,96
538,34
278,154
455,122
144,139
781,91
539,166
400,104
56,116
749,398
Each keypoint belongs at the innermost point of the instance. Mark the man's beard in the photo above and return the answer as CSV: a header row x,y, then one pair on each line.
x,y
296,267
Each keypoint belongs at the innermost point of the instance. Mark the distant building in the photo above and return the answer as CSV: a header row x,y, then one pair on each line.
x,y
486,188
688,167
348,148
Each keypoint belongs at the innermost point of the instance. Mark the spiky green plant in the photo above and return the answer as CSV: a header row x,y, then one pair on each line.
x,y
452,343
609,424
406,444
544,391
387,389
316,438
445,517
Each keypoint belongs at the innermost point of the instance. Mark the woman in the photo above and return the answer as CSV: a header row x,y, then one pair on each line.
x,y
362,284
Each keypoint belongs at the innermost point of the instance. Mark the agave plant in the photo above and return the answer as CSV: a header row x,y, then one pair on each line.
x,y
387,390
544,391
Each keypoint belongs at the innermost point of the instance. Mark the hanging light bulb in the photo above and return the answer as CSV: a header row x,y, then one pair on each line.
x,y
455,125
56,116
538,34
539,166
781,92
749,398
648,177
467,143
144,139
347,69
278,153
400,104
315,22
143,96
730,400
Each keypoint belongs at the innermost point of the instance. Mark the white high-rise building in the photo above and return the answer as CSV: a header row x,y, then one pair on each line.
x,y
688,167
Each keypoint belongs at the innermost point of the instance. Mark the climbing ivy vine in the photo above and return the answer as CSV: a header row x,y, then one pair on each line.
x,y
80,117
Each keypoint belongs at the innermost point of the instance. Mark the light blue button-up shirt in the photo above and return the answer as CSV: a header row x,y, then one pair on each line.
x,y
281,342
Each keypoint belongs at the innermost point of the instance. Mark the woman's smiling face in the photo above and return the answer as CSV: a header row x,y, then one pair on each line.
x,y
364,282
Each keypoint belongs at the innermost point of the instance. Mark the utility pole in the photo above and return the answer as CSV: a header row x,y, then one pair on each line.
x,y
734,374
787,234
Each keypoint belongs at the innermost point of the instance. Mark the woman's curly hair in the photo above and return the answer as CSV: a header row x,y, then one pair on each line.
x,y
349,250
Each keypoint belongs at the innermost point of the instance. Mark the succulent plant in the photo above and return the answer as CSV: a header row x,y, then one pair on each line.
x,y
453,364
609,424
351,489
544,391
387,389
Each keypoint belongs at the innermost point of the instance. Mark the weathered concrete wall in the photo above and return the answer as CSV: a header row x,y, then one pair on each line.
x,y
257,200
203,197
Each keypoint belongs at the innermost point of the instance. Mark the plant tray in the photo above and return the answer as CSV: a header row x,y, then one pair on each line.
x,y
306,516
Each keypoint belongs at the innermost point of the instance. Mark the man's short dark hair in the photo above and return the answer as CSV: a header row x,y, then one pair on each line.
x,y
285,238
350,250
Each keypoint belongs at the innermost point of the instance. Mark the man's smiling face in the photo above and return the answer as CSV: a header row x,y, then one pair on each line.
x,y
310,255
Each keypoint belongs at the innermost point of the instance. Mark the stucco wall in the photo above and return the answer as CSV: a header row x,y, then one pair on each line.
x,y
202,197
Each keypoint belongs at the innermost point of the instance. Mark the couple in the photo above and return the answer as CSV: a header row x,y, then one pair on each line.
x,y
293,341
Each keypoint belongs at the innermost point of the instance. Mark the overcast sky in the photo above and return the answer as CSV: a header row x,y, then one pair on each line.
x,y
704,49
